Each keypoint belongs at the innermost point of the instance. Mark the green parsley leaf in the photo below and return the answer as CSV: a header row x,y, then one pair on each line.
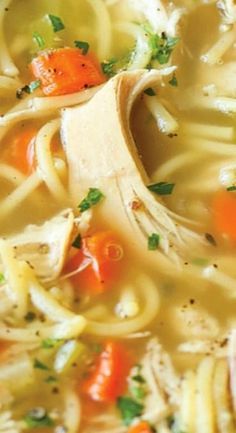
x,y
2,278
39,365
231,188
29,88
173,82
108,67
77,242
129,409
84,46
56,23
112,66
50,379
30,316
38,39
153,241
38,418
162,188
138,378
50,343
150,91
93,197
137,392
161,46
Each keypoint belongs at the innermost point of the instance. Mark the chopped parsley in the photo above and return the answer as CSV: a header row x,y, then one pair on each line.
x,y
84,46
150,91
231,188
56,22
173,81
129,409
112,66
38,39
38,417
162,188
39,365
137,392
138,378
49,343
30,316
93,197
162,46
50,379
2,278
153,241
29,88
77,242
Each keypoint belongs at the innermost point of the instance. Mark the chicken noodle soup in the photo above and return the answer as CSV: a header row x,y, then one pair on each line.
x,y
117,216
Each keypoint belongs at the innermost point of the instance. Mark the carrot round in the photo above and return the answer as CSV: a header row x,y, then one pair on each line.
x,y
108,380
20,150
141,427
224,214
104,253
66,70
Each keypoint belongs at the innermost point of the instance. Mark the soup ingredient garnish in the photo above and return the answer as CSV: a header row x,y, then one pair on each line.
x,y
50,343
77,242
39,40
150,91
56,22
50,379
141,427
231,188
38,417
173,82
84,46
161,46
30,316
129,408
29,88
108,379
162,188
20,150
224,214
153,241
99,257
40,365
66,70
93,197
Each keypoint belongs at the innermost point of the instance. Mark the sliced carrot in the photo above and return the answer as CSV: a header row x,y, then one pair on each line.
x,y
20,150
141,427
66,70
104,254
108,380
224,214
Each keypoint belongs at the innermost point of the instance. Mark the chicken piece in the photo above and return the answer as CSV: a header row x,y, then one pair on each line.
x,y
45,247
101,153
192,321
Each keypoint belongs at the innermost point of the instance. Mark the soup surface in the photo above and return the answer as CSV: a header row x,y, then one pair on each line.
x,y
117,216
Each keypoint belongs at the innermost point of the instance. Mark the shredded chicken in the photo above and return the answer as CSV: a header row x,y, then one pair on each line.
x,y
107,158
45,247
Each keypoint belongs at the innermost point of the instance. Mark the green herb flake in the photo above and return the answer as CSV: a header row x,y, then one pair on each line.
x,y
112,66
49,343
231,188
39,40
30,316
150,91
199,261
56,23
93,197
108,67
138,378
83,46
129,409
161,46
137,392
162,188
173,82
39,365
153,241
2,278
77,242
50,379
38,417
29,88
